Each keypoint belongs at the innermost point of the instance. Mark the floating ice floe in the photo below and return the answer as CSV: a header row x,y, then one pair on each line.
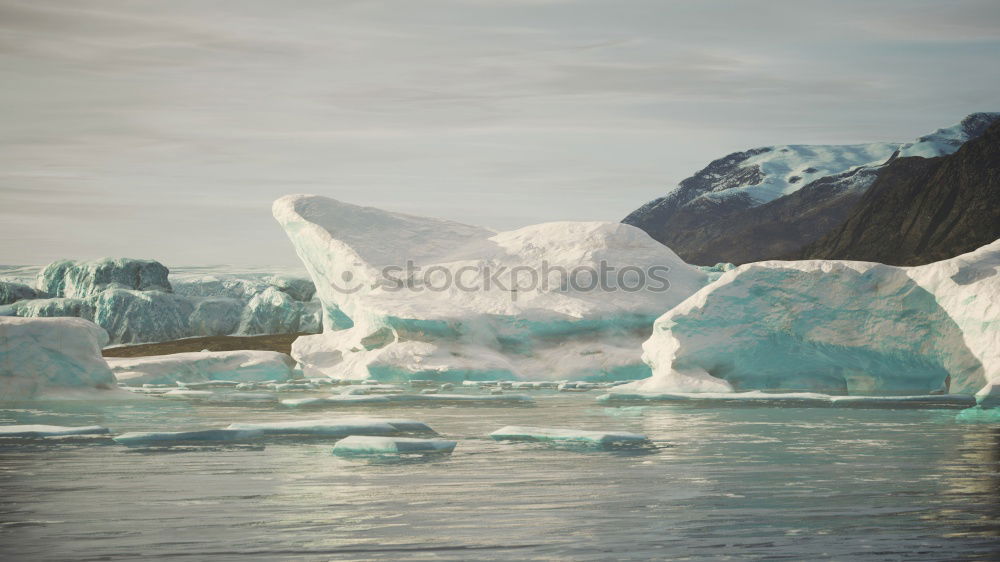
x,y
146,438
43,357
570,436
834,326
357,445
440,399
979,415
490,321
337,427
794,399
203,366
39,431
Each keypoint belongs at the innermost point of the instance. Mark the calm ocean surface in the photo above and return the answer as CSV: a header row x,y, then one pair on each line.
x,y
737,483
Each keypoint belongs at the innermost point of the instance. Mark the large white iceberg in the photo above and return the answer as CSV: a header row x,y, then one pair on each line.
x,y
199,366
47,357
408,297
841,327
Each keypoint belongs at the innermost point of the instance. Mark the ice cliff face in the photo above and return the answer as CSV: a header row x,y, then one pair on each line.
x,y
42,356
412,297
85,279
835,326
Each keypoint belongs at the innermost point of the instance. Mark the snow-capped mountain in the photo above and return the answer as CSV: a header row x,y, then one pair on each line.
x,y
716,215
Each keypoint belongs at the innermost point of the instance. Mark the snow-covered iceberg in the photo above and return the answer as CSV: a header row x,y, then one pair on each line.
x,y
840,327
46,357
407,297
242,366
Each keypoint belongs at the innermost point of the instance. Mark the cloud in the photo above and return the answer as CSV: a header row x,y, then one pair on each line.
x,y
123,115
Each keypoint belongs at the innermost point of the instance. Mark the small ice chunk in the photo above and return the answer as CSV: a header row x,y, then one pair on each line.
x,y
368,445
143,438
38,431
334,400
570,436
979,415
337,427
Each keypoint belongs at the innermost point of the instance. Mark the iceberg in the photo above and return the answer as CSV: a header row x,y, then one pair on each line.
x,y
337,427
270,312
215,316
203,366
41,431
359,445
142,316
12,291
136,303
835,327
43,357
531,304
54,308
603,439
67,278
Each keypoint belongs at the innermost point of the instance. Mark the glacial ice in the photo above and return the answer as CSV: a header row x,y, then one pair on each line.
x,y
200,366
41,357
360,445
570,436
54,308
838,327
12,291
84,279
136,303
270,312
40,431
142,316
215,316
553,331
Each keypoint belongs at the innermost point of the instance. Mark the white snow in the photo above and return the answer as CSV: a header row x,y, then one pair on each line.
x,y
838,327
375,328
38,431
367,445
784,169
43,357
573,436
203,366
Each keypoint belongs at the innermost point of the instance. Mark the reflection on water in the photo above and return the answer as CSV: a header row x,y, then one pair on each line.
x,y
736,482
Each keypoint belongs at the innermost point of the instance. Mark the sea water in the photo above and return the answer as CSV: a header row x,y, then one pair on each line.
x,y
736,482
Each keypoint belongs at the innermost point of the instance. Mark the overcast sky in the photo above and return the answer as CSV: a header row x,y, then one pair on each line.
x,y
165,129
